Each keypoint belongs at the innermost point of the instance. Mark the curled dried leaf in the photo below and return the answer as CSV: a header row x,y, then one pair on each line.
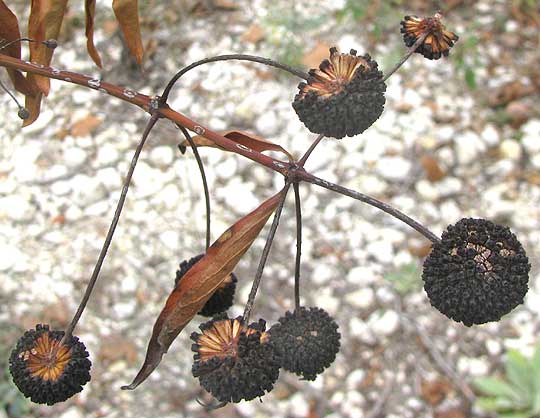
x,y
244,139
200,282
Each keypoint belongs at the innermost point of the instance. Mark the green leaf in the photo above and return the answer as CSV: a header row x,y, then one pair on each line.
x,y
520,374
470,78
527,414
495,387
494,404
536,380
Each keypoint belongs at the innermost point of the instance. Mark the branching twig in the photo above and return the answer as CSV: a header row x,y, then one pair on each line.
x,y
310,178
264,255
310,150
240,57
147,103
406,56
298,245
441,363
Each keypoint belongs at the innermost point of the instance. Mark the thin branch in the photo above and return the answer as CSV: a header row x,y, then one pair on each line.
x,y
264,256
298,245
406,56
149,104
93,279
439,360
310,150
4,46
203,177
10,94
303,175
240,57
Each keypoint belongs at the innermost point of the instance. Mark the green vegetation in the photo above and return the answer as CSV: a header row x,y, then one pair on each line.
x,y
406,279
12,402
517,393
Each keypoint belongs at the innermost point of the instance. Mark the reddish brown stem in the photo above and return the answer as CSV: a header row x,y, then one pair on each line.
x,y
148,104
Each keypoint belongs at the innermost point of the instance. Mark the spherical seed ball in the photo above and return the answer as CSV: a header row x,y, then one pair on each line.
x,y
306,341
234,362
223,297
344,97
47,370
477,273
438,40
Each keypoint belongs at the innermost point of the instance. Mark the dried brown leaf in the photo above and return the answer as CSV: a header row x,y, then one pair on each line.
x,y
245,139
33,105
200,282
435,391
85,125
45,22
127,14
9,31
253,34
90,10
432,168
316,55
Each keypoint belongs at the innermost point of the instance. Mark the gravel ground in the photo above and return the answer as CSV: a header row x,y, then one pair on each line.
x,y
439,153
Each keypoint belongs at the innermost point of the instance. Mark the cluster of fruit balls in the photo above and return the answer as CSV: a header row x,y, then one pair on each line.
x,y
476,273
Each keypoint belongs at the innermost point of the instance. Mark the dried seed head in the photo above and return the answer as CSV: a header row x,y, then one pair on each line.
x,y
306,341
344,97
223,297
232,361
438,39
47,370
477,273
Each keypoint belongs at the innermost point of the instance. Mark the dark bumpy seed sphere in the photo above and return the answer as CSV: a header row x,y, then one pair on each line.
x,y
234,362
306,341
344,97
47,371
223,297
477,273
438,41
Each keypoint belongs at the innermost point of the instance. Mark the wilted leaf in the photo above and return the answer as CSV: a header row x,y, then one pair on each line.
x,y
90,10
45,21
253,34
508,92
433,170
314,57
435,391
33,105
200,282
127,13
247,140
85,125
9,31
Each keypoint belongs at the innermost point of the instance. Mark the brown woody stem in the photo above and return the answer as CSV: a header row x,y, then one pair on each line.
x,y
298,211
310,178
112,228
239,57
406,56
148,104
310,150
264,255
